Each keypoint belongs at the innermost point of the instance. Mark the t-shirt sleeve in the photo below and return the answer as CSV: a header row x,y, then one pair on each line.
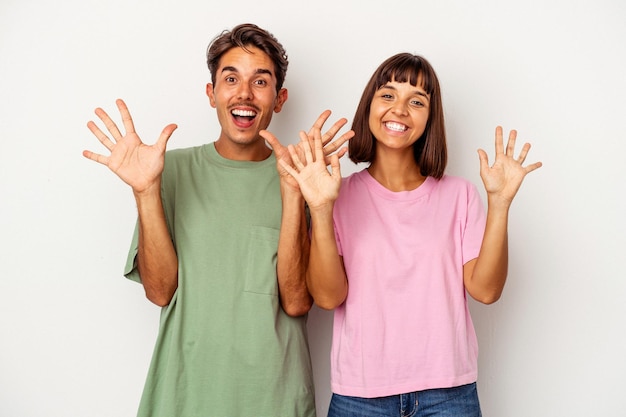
x,y
130,269
474,226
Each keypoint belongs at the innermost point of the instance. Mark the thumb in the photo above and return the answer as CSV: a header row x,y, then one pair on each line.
x,y
483,159
166,133
270,138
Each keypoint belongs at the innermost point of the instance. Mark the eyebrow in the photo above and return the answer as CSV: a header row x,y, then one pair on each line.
x,y
417,92
258,70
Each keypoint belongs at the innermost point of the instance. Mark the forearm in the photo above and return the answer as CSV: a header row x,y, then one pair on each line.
x,y
487,280
293,255
157,262
326,276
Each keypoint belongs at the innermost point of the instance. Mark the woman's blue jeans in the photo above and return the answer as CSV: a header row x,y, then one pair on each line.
x,y
444,402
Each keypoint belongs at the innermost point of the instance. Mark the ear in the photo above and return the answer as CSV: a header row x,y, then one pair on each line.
x,y
211,94
281,98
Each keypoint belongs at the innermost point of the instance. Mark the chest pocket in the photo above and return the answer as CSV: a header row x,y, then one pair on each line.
x,y
261,261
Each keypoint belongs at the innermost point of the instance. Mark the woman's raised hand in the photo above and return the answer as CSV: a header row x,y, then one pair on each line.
x,y
319,187
503,179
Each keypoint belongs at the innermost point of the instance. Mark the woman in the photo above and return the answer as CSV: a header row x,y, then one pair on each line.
x,y
396,247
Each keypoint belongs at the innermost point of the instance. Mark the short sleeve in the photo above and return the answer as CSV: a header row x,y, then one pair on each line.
x,y
130,269
474,224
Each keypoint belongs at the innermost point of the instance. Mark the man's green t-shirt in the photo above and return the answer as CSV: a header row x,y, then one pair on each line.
x,y
225,346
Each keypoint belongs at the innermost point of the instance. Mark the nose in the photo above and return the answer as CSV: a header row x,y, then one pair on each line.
x,y
244,92
399,108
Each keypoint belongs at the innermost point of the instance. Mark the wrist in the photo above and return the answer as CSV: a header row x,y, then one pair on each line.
x,y
290,193
498,206
151,192
322,211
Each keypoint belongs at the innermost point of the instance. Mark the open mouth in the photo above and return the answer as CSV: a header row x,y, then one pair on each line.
x,y
243,116
396,127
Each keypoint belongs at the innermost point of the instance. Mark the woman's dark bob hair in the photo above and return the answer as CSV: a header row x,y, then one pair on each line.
x,y
430,149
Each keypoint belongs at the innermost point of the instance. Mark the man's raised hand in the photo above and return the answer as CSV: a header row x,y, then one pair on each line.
x,y
137,164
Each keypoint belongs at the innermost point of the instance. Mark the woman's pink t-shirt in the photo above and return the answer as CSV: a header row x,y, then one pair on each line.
x,y
405,325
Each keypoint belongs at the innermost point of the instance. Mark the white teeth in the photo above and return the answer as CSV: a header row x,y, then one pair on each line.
x,y
244,113
395,126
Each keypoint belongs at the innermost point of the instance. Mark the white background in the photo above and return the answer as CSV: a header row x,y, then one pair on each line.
x,y
76,337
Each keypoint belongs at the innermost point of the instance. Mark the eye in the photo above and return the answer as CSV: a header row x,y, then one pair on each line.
x,y
230,79
417,103
260,82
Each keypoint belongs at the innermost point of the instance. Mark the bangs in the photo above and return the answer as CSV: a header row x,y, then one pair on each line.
x,y
408,68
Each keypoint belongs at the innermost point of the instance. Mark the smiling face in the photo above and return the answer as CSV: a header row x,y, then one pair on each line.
x,y
398,115
245,97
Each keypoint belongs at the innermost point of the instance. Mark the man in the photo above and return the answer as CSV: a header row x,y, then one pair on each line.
x,y
232,338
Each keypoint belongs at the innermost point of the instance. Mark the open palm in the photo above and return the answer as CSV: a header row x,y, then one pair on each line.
x,y
319,187
329,146
503,179
137,164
